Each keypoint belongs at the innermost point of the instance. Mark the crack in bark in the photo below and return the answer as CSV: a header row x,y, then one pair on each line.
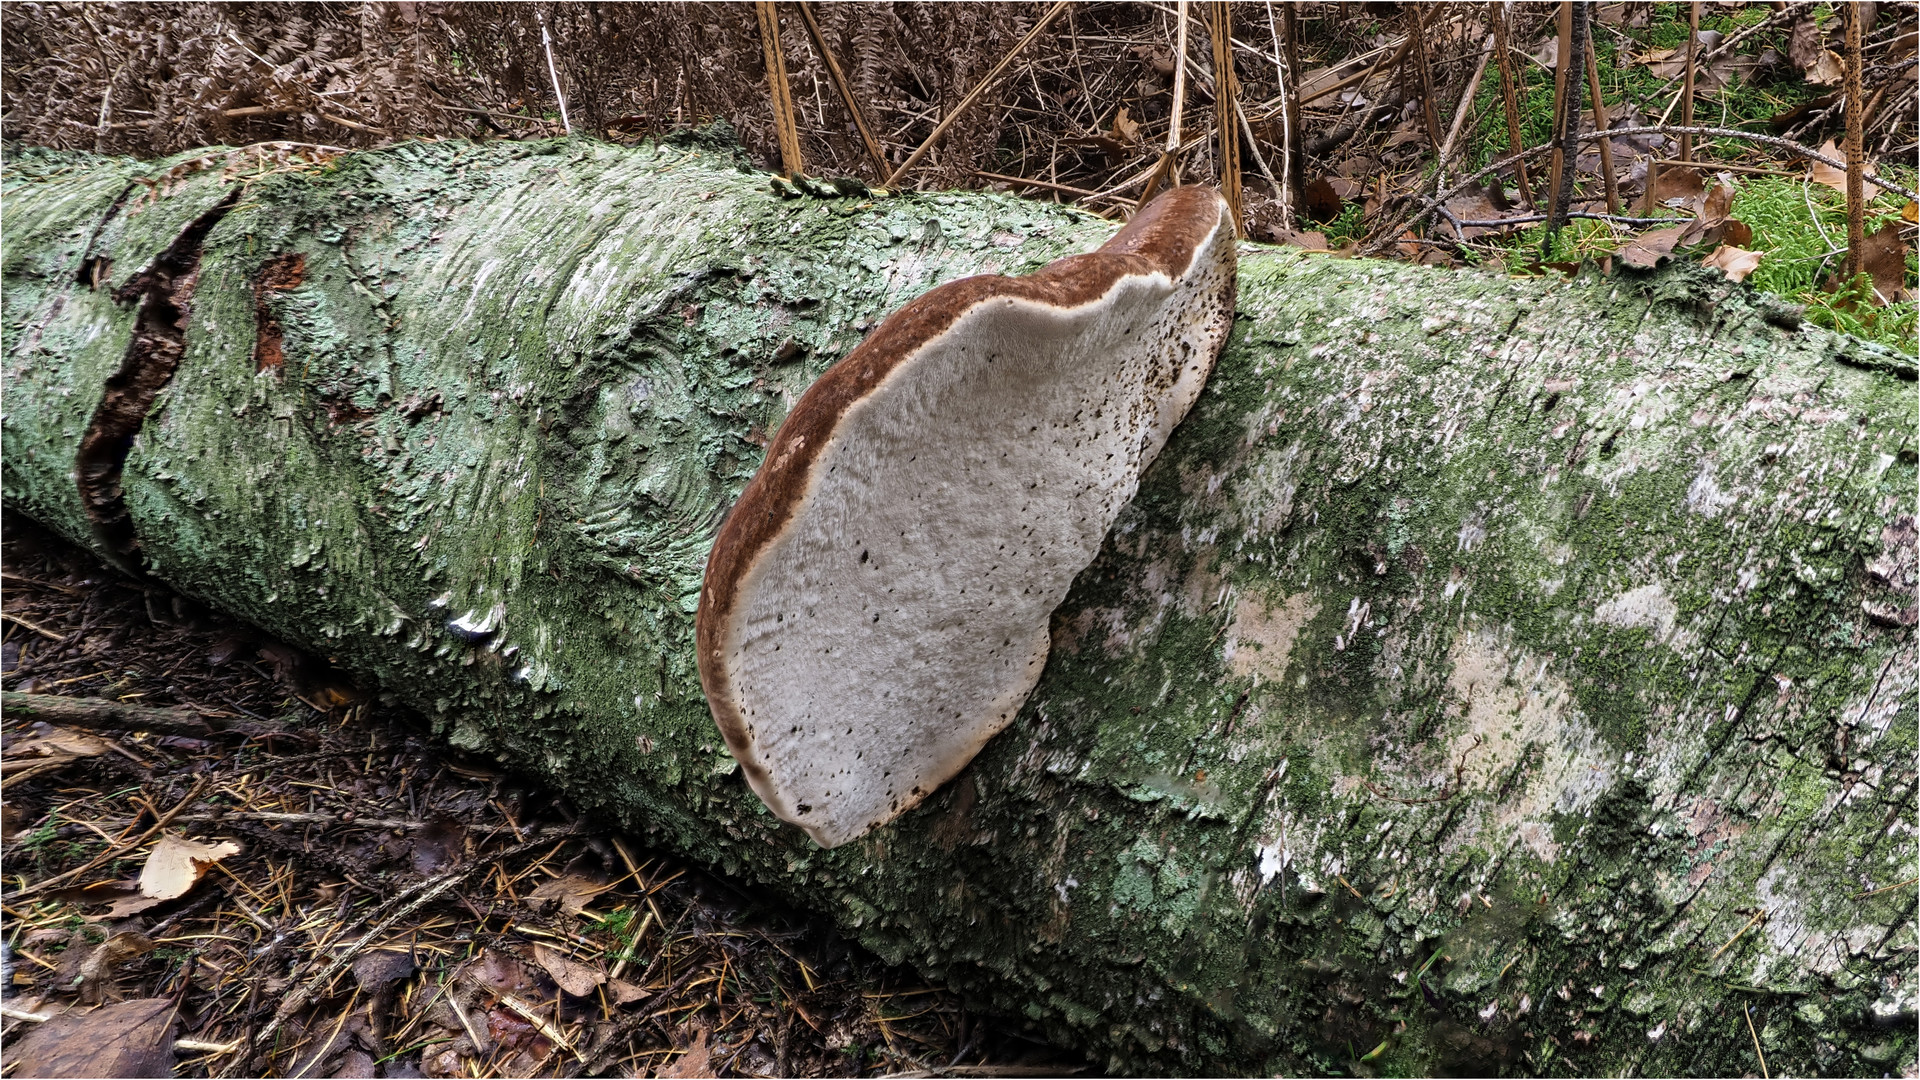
x,y
164,294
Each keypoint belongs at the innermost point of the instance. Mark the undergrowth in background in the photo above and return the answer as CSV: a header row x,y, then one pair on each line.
x,y
1802,228
1751,95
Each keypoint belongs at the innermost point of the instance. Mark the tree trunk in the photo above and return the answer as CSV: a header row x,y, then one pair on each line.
x,y
1491,674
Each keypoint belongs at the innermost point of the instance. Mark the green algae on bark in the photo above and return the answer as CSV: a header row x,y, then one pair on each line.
x,y
1491,674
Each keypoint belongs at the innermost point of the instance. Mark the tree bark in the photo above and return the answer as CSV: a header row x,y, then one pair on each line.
x,y
1491,674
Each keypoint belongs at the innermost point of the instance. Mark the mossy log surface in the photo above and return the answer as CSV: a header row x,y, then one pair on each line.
x,y
1491,675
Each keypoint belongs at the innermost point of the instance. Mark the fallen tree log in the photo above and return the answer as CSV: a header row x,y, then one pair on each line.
x,y
1490,674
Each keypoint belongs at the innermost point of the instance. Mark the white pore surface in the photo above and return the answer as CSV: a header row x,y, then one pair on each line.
x,y
900,620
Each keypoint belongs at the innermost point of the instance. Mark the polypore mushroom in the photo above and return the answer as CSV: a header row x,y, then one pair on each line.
x,y
876,605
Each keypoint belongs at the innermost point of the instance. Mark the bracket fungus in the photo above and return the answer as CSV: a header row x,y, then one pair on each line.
x,y
875,607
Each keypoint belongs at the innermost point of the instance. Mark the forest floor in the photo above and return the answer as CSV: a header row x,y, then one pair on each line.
x,y
260,874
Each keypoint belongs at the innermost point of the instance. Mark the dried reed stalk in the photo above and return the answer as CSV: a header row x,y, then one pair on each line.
x,y
1600,124
779,94
1509,98
974,94
1686,90
1226,108
1856,150
1168,166
845,90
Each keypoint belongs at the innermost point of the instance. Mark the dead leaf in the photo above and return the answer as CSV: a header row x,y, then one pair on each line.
x,y
570,891
375,971
1826,70
438,844
1306,241
1804,44
176,863
1649,249
1884,258
13,822
97,970
1734,262
498,972
569,974
49,748
1320,201
1910,213
1679,189
1125,129
131,1038
1823,173
626,993
696,1062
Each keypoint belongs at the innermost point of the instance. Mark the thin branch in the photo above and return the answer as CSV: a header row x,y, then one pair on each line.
x,y
975,94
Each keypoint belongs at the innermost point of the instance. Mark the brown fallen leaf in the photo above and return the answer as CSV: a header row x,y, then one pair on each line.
x,y
130,1038
1678,189
1649,249
696,1062
569,974
626,993
176,864
437,845
1884,258
1910,213
570,892
1734,262
1804,43
1826,69
1320,201
1823,173
1307,241
48,749
378,970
